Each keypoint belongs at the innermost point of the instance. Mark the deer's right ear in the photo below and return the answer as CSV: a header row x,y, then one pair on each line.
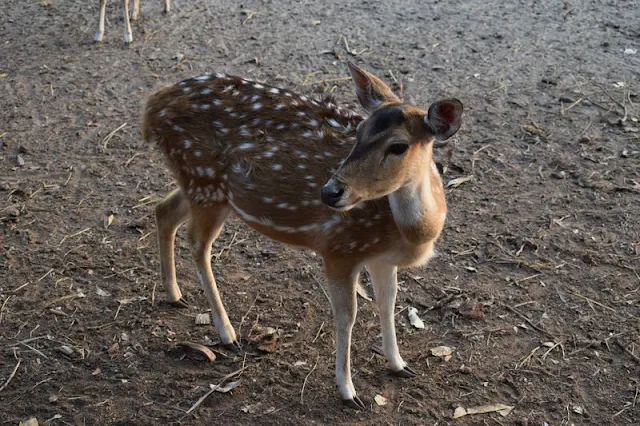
x,y
443,119
371,91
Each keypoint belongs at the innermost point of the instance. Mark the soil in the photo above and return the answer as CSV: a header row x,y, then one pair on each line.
x,y
535,288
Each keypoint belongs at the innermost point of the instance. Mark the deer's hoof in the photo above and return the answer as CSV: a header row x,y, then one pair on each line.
x,y
181,304
355,403
407,372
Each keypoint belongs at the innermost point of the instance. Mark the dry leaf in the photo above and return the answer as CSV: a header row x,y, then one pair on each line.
x,y
226,388
362,292
414,319
441,351
268,342
196,351
299,363
454,183
459,412
203,319
250,409
108,221
502,409
380,400
101,292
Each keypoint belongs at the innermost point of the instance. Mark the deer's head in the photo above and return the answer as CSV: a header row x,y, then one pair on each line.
x,y
393,145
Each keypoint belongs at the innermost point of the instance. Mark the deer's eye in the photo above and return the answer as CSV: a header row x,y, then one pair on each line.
x,y
397,148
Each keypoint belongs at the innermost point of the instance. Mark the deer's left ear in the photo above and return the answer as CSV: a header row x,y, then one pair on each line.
x,y
371,91
444,119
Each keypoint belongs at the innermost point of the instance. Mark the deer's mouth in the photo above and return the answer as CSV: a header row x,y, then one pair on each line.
x,y
338,196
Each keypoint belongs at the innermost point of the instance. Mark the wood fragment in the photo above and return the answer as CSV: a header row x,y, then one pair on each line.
x,y
627,350
526,318
13,373
307,378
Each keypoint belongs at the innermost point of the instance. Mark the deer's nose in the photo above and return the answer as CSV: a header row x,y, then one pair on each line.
x,y
331,194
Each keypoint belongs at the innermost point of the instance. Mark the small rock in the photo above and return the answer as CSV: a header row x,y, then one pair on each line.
x,y
380,400
13,211
53,399
464,369
203,319
31,422
178,57
20,160
584,139
65,350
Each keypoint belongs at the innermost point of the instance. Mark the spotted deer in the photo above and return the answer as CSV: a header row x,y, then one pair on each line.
x,y
266,154
128,34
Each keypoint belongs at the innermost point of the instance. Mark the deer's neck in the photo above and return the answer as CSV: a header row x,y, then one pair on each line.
x,y
419,208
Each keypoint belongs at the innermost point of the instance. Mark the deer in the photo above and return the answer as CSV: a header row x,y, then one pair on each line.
x,y
128,34
266,154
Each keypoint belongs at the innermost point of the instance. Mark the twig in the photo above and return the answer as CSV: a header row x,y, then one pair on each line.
x,y
73,235
228,246
526,318
246,314
305,380
3,304
212,390
13,373
318,333
592,301
627,350
35,350
107,138
321,287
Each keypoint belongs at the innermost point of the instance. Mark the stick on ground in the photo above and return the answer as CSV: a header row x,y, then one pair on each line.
x,y
13,373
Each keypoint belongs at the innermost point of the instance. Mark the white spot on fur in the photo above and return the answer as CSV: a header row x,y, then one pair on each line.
x,y
162,113
302,166
268,200
282,205
278,106
256,106
178,129
333,123
206,91
246,145
197,153
277,167
217,102
187,144
258,86
274,91
210,172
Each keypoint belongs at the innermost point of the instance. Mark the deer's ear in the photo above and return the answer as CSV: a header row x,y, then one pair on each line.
x,y
444,119
371,91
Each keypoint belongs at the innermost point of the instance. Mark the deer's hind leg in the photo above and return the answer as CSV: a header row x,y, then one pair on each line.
x,y
172,212
203,229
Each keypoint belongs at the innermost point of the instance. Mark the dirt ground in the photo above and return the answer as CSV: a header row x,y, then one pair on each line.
x,y
535,288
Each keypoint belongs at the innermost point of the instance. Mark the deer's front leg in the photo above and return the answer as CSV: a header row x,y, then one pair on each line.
x,y
342,293
136,10
385,284
128,34
103,10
